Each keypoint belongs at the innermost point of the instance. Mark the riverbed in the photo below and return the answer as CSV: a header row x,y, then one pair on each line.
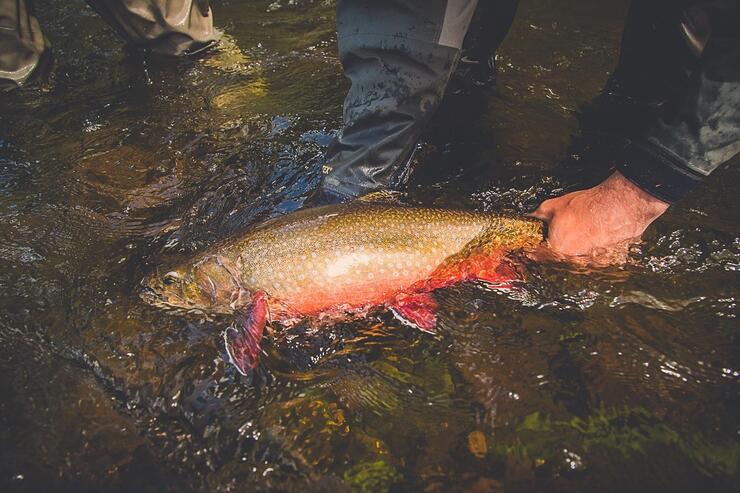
x,y
588,379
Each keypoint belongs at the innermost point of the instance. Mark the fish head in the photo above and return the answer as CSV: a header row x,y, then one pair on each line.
x,y
205,286
174,289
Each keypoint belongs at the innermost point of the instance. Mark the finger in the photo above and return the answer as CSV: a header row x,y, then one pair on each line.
x,y
544,212
537,215
541,214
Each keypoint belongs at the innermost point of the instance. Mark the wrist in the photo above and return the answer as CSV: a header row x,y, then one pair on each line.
x,y
639,204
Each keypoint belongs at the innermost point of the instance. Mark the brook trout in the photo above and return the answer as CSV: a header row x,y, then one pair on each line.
x,y
343,259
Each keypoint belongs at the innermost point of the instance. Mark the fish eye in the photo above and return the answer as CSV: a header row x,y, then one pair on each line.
x,y
171,278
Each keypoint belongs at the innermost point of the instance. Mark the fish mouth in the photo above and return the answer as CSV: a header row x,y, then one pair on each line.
x,y
177,307
152,297
151,292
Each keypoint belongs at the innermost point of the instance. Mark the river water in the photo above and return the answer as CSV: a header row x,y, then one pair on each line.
x,y
613,379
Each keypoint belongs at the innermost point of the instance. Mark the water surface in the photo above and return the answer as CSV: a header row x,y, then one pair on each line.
x,y
619,379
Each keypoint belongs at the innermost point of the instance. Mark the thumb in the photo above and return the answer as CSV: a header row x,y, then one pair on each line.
x,y
544,212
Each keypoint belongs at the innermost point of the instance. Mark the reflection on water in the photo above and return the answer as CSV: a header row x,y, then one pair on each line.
x,y
603,380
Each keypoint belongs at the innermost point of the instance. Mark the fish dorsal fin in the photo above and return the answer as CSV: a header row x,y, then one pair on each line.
x,y
383,197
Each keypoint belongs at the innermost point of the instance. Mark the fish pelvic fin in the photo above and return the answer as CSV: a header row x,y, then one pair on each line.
x,y
242,341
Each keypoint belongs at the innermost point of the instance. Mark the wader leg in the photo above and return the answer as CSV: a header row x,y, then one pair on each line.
x,y
399,56
467,94
23,48
166,27
488,28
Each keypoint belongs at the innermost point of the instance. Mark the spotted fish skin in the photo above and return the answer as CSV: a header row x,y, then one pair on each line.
x,y
345,257
340,259
357,255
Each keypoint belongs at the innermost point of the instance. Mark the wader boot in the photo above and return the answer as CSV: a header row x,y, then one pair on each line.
x,y
24,51
476,68
167,27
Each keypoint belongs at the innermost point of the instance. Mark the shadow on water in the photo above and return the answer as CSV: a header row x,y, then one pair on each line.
x,y
605,380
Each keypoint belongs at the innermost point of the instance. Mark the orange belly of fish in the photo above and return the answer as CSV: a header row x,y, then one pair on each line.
x,y
349,292
366,287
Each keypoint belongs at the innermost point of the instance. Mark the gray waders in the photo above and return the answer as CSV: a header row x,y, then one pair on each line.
x,y
679,71
167,27
399,56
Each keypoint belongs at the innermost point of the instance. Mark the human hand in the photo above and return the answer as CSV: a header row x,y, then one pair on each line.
x,y
598,224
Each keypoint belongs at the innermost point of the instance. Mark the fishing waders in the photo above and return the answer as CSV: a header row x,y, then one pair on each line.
x,y
166,27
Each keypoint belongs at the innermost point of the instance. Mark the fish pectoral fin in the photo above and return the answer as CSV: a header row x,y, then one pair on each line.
x,y
418,310
242,341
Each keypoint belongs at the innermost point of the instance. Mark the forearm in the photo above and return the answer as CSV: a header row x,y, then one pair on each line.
x,y
697,126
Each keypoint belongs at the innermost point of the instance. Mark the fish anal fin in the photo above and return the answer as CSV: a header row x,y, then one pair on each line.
x,y
243,341
496,272
502,276
418,310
